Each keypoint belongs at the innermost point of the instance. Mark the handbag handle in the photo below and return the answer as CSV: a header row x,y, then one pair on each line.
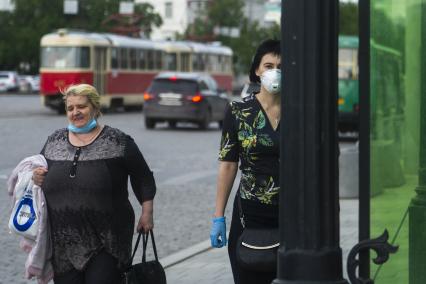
x,y
240,209
136,248
145,243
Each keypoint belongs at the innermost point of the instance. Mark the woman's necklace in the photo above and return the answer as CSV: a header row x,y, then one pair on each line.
x,y
84,142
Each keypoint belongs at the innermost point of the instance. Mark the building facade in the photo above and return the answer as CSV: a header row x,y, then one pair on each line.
x,y
6,5
178,14
175,17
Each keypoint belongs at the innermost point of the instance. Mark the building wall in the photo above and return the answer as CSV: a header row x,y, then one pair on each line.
x,y
174,15
184,12
6,5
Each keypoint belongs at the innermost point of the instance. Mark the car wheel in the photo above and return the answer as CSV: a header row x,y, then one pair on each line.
x,y
204,123
133,108
149,123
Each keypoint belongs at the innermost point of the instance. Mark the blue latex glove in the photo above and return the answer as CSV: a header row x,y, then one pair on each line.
x,y
218,232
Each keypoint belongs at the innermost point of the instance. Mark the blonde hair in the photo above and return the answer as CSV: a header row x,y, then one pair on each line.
x,y
84,90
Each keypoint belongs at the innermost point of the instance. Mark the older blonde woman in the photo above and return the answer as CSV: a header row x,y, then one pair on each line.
x,y
91,218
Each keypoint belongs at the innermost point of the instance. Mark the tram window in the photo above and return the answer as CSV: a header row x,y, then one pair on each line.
x,y
207,63
198,63
184,59
132,54
65,57
124,60
214,63
194,62
219,63
83,55
150,59
141,58
170,61
228,64
158,60
114,58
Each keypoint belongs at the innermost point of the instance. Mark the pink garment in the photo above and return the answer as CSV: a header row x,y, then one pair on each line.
x,y
38,263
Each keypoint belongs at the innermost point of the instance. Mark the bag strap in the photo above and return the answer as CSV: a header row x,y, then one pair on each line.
x,y
145,243
240,209
136,248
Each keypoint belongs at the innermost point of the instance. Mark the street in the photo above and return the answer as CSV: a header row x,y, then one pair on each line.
x,y
184,161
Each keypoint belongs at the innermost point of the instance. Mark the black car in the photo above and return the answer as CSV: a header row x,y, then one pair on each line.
x,y
184,97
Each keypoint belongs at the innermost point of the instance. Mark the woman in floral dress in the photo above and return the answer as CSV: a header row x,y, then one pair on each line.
x,y
250,138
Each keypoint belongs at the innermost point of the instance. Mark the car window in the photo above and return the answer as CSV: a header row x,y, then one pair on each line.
x,y
211,83
203,86
175,86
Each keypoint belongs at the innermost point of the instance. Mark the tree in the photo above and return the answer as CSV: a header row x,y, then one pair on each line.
x,y
229,13
138,24
244,47
149,18
226,13
348,18
22,29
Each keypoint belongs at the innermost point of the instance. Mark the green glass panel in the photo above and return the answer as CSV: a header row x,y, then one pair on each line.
x,y
395,102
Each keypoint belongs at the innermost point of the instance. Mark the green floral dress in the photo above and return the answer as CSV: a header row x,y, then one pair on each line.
x,y
249,137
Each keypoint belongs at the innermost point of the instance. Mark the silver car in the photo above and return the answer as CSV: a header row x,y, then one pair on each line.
x,y
29,84
9,80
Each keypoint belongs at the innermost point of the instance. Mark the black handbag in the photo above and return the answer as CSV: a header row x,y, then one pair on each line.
x,y
257,247
146,272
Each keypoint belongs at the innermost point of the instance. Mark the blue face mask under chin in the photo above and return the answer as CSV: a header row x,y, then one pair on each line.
x,y
85,129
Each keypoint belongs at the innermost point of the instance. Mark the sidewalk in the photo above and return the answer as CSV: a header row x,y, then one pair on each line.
x,y
202,264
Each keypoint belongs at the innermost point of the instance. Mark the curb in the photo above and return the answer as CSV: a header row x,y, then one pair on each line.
x,y
185,254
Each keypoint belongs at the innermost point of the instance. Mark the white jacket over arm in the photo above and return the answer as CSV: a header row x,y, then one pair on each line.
x,y
38,263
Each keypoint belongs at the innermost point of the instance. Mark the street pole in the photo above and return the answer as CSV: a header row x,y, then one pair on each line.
x,y
364,135
309,199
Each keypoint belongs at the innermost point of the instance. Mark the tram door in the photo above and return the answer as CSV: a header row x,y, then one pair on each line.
x,y
184,62
99,72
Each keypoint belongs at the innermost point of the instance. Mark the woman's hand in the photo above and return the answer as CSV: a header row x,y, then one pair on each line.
x,y
218,232
38,175
146,220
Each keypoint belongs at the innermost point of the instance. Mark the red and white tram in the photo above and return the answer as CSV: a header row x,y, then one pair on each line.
x,y
120,67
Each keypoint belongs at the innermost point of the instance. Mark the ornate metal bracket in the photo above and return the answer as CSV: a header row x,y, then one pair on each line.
x,y
382,248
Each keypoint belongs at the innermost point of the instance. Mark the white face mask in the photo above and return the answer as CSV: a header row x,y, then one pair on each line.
x,y
271,80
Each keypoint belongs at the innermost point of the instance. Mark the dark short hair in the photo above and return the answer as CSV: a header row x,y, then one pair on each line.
x,y
267,46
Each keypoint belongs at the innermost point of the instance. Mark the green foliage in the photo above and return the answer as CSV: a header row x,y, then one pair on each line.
x,y
149,18
226,13
200,30
22,29
348,18
244,47
229,13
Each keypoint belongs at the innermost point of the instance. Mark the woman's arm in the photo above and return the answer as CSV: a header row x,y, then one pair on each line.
x,y
225,181
146,221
